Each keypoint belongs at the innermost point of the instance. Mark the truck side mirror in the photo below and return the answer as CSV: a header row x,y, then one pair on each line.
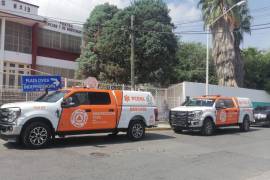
x,y
220,105
68,102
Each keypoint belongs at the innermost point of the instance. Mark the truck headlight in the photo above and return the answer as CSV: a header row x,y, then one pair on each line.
x,y
262,116
11,114
198,114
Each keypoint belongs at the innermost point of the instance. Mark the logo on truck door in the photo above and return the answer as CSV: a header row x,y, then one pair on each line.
x,y
79,118
223,116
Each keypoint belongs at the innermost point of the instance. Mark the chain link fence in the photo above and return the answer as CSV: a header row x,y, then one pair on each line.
x,y
9,93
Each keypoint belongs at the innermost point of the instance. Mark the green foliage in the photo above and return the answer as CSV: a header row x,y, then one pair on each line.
x,y
154,52
257,65
192,62
227,22
238,18
98,17
90,63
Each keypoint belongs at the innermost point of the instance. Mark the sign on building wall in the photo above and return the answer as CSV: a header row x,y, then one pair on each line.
x,y
40,83
63,27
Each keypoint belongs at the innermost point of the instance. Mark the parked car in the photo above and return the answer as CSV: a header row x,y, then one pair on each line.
x,y
77,111
205,113
262,115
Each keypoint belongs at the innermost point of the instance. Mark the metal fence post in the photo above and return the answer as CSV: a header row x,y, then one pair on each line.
x,y
66,82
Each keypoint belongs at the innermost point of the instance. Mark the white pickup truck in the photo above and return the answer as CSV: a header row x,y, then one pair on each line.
x,y
77,111
205,113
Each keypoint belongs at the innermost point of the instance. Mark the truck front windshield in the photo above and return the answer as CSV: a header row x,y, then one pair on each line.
x,y
52,97
199,102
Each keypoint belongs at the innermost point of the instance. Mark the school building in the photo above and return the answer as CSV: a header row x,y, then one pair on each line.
x,y
30,41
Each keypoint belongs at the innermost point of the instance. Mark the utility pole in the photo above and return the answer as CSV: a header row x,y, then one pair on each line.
x,y
132,66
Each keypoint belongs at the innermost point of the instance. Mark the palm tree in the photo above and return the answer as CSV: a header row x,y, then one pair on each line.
x,y
227,35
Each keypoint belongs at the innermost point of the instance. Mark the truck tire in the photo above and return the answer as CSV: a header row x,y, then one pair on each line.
x,y
245,126
208,127
36,135
268,120
136,130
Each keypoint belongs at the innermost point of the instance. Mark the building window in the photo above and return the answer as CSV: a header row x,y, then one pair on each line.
x,y
70,43
28,9
49,39
13,73
14,6
18,37
60,41
21,7
3,2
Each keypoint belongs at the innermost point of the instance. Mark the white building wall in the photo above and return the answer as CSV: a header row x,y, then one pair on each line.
x,y
19,7
52,62
23,58
198,89
17,57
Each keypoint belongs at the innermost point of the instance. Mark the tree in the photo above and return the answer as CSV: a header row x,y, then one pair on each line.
x,y
191,63
89,62
257,64
98,17
227,34
154,52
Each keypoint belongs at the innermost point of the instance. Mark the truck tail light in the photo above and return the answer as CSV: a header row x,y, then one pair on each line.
x,y
156,114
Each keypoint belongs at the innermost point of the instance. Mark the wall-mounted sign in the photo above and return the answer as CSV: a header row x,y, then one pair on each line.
x,y
63,27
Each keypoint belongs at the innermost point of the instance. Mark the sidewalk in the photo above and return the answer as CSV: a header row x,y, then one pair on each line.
x,y
162,125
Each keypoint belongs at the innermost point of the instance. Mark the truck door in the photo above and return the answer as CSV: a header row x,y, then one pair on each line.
x,y
227,112
76,115
103,108
221,114
232,111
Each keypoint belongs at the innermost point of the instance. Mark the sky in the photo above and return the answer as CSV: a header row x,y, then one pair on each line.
x,y
181,11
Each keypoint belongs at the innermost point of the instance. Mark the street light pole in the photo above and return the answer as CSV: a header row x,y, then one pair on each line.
x,y
207,62
207,44
132,68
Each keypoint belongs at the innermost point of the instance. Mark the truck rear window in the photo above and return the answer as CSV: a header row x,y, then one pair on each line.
x,y
99,98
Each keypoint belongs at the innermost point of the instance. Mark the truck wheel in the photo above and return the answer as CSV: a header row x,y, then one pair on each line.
x,y
136,130
268,120
36,135
245,125
208,127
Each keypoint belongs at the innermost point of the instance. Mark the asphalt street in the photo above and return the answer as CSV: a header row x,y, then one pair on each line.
x,y
230,154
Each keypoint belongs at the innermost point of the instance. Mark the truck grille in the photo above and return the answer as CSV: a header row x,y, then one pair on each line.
x,y
179,118
4,113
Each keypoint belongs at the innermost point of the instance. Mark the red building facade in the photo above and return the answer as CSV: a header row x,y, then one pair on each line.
x,y
32,44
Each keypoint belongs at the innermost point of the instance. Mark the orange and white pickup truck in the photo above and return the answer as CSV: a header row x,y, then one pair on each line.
x,y
205,113
77,111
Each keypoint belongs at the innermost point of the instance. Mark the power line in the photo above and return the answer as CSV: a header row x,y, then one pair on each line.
x,y
128,28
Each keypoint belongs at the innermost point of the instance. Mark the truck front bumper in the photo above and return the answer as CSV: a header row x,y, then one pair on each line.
x,y
10,133
192,125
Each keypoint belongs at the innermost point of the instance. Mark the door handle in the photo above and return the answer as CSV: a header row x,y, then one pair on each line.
x,y
111,110
88,110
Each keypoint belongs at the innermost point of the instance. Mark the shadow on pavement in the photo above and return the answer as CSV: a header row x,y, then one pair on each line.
x,y
95,140
262,125
221,131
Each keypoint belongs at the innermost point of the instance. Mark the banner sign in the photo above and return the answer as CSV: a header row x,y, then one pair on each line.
x,y
40,83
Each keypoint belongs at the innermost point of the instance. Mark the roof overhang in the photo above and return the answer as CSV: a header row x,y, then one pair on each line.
x,y
23,18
